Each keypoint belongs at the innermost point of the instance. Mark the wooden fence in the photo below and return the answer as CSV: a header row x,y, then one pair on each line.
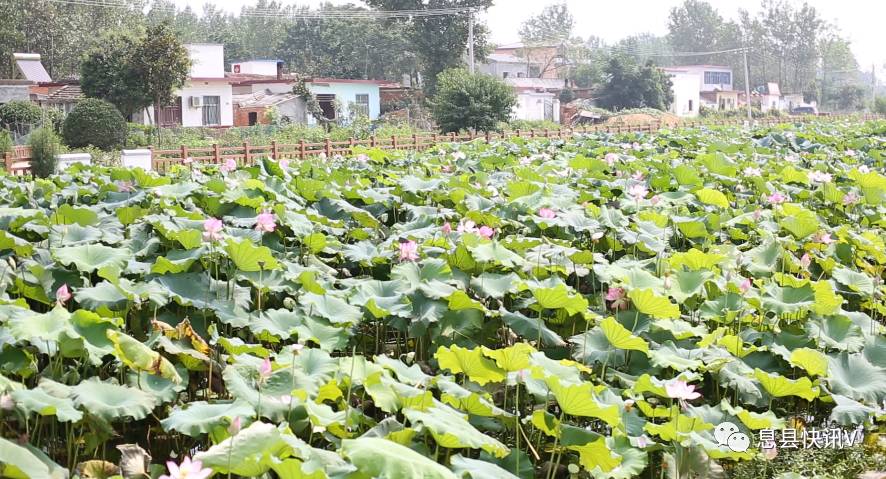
x,y
17,161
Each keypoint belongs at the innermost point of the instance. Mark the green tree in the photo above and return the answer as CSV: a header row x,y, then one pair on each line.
x,y
19,116
629,85
162,64
439,42
94,122
880,105
109,73
471,102
553,25
44,147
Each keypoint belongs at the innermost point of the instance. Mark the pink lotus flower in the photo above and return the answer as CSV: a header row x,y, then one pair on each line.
x,y
668,282
284,163
753,172
638,191
864,169
63,294
6,402
638,176
187,470
805,261
212,229
446,168
296,348
125,186
265,223
757,214
458,155
525,161
265,370
850,152
467,226
618,297
408,250
486,232
611,158
745,285
547,213
679,389
642,441
820,177
596,236
655,200
447,228
362,158
776,198
824,238
229,166
234,428
635,145
850,198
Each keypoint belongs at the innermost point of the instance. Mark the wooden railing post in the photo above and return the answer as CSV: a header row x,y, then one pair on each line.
x,y
372,141
7,160
246,157
393,142
301,149
488,138
532,133
216,154
415,141
327,147
547,133
434,137
184,152
151,150
274,152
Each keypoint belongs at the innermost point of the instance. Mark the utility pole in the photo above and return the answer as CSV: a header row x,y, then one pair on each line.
x,y
873,85
747,84
471,41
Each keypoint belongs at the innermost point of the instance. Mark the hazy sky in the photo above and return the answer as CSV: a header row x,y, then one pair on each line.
x,y
860,20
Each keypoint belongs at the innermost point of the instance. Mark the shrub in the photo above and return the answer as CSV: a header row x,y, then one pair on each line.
x,y
880,105
471,102
95,122
44,145
19,115
5,142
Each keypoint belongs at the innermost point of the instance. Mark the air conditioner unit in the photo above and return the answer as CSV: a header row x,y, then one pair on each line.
x,y
196,102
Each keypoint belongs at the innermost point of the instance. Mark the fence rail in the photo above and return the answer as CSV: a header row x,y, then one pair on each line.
x,y
18,161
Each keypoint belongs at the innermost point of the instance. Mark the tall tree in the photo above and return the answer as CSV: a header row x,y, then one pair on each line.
x,y
162,64
630,85
553,25
109,73
439,42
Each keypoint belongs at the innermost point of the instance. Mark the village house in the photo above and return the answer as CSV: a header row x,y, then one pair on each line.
x,y
687,96
533,61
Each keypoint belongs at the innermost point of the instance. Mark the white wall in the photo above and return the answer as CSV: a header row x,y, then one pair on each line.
x,y
277,87
686,94
346,93
207,60
194,116
531,106
257,67
700,71
498,69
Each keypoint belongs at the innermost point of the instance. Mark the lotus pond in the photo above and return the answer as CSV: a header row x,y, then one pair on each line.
x,y
594,307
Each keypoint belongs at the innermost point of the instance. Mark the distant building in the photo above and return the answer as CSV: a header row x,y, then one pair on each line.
x,y
538,98
687,96
538,61
505,66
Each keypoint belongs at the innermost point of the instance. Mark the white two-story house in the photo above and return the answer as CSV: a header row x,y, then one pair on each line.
x,y
206,97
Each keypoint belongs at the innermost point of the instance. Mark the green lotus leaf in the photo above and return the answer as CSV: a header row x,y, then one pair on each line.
x,y
814,362
452,430
780,386
531,329
858,282
134,354
849,412
799,221
620,338
560,297
827,302
47,401
596,456
712,197
110,401
853,376
580,400
491,285
646,301
199,417
788,300
249,453
20,247
249,257
92,257
334,309
494,252
695,260
68,215
22,462
512,358
376,457
470,362
837,332
464,467
678,428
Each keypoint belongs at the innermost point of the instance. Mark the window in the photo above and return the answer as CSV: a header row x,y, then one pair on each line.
x,y
211,110
690,105
534,71
718,78
519,74
361,106
504,75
